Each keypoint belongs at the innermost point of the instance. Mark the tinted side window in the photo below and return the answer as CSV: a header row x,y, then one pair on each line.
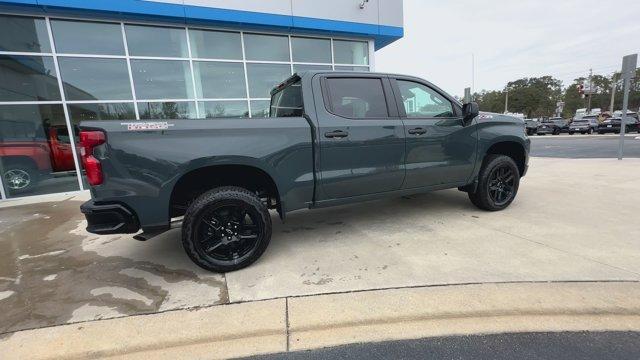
x,y
357,97
287,102
422,101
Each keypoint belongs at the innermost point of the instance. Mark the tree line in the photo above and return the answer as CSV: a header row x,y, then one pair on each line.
x,y
538,96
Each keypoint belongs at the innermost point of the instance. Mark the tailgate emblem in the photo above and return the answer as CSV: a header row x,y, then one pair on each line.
x,y
142,126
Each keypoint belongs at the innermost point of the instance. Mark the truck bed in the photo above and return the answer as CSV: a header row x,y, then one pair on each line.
x,y
143,160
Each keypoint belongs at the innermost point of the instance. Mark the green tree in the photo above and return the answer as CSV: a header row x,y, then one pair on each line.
x,y
491,101
538,96
534,97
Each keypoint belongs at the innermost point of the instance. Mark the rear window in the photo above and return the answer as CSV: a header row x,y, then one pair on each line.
x,y
287,102
357,98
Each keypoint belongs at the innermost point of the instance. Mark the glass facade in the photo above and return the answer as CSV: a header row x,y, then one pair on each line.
x,y
55,73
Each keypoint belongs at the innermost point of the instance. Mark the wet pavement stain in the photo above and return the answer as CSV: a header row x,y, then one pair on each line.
x,y
49,277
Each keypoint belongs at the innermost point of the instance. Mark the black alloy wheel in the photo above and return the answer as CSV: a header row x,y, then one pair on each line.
x,y
498,183
226,229
501,184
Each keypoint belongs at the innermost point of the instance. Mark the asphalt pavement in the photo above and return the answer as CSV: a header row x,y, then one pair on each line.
x,y
584,146
562,345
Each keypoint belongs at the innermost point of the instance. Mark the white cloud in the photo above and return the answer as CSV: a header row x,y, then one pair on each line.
x,y
511,40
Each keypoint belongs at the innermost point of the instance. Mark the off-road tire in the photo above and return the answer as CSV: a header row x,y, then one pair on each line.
x,y
481,198
211,198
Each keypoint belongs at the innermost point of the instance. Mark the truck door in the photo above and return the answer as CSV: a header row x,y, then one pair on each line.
x,y
361,136
440,148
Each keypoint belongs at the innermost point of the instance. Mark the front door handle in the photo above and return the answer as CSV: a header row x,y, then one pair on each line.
x,y
417,131
336,134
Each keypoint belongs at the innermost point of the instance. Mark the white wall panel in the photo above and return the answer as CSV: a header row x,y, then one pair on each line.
x,y
391,13
383,12
344,10
281,7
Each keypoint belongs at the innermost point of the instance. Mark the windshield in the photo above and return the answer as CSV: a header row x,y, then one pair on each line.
x,y
580,122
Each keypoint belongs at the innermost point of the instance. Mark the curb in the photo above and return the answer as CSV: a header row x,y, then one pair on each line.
x,y
310,322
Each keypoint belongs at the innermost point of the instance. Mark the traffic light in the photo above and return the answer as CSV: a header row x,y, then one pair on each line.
x,y
580,89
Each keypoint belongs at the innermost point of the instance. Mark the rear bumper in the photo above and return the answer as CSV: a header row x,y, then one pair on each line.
x,y
109,218
579,129
604,129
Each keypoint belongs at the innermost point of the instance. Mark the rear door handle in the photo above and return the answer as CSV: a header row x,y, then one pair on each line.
x,y
417,131
336,134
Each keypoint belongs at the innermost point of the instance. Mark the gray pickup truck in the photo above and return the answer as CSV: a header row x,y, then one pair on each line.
x,y
331,138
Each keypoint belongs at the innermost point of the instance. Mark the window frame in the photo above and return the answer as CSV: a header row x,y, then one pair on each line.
x,y
455,104
386,92
87,54
291,81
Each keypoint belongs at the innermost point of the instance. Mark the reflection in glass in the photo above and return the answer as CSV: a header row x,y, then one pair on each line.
x,y
352,68
311,50
83,37
422,101
23,34
35,150
260,108
167,110
215,44
287,102
156,41
95,79
266,47
298,68
28,78
230,109
357,97
104,111
162,79
351,52
264,77
217,80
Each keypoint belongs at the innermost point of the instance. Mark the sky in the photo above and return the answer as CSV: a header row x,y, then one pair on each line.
x,y
511,39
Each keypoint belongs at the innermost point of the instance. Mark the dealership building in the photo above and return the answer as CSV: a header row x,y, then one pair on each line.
x,y
65,61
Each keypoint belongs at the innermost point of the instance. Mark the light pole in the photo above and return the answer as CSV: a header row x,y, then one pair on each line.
x,y
628,71
613,92
506,101
590,91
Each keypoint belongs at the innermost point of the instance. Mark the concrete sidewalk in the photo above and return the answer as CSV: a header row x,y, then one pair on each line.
x,y
573,220
310,322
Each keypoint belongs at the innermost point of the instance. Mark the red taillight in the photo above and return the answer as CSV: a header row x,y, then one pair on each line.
x,y
88,141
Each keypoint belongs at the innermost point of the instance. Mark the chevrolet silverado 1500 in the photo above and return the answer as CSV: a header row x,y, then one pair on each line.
x,y
331,138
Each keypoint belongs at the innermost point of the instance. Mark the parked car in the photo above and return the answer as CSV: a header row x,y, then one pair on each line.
x,y
331,138
25,156
586,125
612,125
553,126
531,125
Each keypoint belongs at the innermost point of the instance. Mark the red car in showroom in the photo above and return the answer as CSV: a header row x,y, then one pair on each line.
x,y
26,156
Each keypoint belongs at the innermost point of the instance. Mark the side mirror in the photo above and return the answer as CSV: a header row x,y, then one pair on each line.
x,y
470,110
